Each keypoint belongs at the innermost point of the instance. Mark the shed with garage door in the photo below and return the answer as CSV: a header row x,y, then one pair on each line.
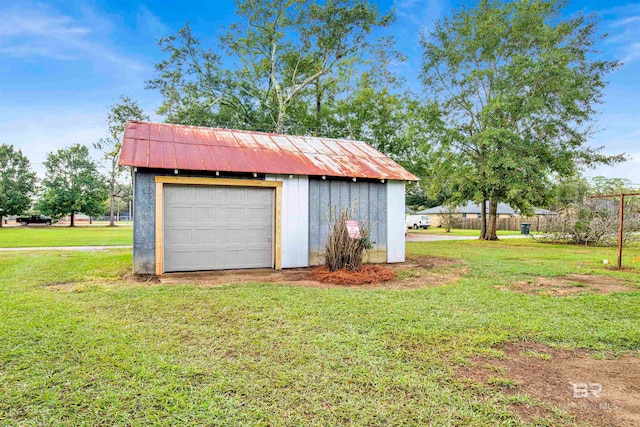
x,y
217,199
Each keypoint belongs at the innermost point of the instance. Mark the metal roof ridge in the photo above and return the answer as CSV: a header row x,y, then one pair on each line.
x,y
209,128
299,150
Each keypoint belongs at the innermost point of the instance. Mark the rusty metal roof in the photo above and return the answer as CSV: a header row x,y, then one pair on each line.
x,y
169,146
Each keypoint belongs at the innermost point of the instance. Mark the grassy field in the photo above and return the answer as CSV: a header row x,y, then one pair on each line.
x,y
17,237
460,232
82,344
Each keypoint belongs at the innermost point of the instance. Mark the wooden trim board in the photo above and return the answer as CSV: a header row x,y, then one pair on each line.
x,y
278,227
183,180
216,181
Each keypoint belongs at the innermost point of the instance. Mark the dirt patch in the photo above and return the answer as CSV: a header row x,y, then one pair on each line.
x,y
570,285
61,286
142,278
424,262
368,274
416,272
598,392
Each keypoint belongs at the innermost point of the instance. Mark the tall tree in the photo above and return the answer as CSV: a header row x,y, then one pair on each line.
x,y
72,184
17,182
117,117
569,191
604,185
513,91
278,52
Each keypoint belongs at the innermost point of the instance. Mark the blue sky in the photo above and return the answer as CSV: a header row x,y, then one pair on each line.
x,y
62,63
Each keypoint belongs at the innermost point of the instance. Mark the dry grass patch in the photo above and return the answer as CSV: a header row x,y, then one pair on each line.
x,y
570,285
547,376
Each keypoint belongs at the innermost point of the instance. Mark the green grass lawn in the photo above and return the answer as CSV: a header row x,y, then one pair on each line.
x,y
84,345
460,232
17,237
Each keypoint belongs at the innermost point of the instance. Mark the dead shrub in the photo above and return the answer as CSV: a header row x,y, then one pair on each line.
x,y
342,251
593,222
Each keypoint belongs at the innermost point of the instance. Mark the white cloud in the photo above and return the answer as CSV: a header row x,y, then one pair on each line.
x,y
632,52
148,23
27,50
625,21
36,30
420,13
17,24
622,25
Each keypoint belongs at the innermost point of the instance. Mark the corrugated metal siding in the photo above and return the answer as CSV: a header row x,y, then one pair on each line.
x,y
295,220
144,224
169,146
395,221
371,206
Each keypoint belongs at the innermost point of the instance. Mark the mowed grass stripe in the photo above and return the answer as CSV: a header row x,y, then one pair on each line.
x,y
21,237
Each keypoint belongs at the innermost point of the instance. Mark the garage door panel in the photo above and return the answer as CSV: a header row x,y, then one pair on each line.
x,y
260,214
236,215
179,196
204,237
182,238
215,227
207,214
179,214
259,237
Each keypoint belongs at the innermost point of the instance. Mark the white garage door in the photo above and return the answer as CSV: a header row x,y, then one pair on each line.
x,y
217,228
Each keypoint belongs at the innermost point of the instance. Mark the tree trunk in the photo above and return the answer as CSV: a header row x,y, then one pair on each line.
x,y
72,224
318,107
483,215
492,221
112,200
281,116
112,190
1,221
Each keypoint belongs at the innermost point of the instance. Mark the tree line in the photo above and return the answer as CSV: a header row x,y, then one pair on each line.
x,y
73,181
507,103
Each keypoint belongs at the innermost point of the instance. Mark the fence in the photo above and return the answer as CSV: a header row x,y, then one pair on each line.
x,y
538,223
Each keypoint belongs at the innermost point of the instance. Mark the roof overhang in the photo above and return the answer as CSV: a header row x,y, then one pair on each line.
x,y
170,146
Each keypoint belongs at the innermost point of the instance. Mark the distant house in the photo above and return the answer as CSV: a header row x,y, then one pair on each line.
x,y
472,210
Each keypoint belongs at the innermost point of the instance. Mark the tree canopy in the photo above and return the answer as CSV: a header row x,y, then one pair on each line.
x,y
512,91
297,67
276,53
17,182
117,117
72,184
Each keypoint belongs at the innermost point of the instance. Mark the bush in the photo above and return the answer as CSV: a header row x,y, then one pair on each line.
x,y
342,251
593,222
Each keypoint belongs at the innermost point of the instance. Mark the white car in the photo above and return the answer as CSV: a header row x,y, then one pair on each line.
x,y
418,221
